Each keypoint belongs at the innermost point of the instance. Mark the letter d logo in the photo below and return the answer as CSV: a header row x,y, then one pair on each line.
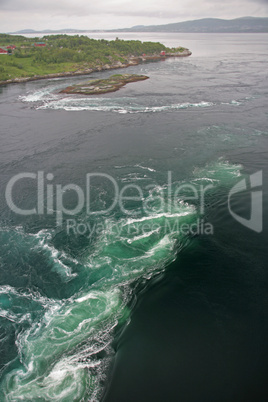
x,y
255,221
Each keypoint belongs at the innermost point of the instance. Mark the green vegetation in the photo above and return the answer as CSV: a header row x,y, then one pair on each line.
x,y
64,53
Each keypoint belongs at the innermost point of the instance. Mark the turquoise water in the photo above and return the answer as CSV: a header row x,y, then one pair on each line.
x,y
70,294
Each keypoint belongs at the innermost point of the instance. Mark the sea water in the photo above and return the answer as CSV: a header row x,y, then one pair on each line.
x,y
122,303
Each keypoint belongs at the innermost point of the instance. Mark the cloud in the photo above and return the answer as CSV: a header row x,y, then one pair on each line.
x,y
124,7
106,14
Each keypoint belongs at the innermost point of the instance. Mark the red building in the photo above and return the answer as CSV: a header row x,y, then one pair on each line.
x,y
39,44
163,53
11,47
3,51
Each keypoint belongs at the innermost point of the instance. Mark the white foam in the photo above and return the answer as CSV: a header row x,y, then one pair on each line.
x,y
236,103
143,236
65,271
165,242
73,331
145,168
46,93
112,105
158,216
31,295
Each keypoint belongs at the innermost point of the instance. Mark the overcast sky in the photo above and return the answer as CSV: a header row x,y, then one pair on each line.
x,y
109,14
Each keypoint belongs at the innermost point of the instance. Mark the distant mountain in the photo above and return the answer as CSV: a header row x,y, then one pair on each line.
x,y
207,25
26,31
48,31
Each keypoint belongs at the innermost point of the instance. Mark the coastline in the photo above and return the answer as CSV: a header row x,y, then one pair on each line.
x,y
131,61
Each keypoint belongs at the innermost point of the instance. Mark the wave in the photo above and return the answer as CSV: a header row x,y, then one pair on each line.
x,y
145,168
45,93
48,98
112,105
238,102
65,350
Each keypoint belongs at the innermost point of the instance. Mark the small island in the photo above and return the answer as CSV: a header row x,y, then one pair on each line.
x,y
103,86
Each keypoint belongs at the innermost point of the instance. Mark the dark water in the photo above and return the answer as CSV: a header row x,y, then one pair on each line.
x,y
126,305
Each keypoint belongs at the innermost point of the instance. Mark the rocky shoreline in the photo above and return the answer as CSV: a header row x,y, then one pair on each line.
x,y
131,61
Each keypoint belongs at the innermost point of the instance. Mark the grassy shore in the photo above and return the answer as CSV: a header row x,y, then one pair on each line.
x,y
69,54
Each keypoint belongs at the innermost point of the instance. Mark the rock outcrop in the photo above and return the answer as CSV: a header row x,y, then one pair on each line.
x,y
103,86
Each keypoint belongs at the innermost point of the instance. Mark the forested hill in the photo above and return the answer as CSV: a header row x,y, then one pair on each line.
x,y
208,25
55,54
